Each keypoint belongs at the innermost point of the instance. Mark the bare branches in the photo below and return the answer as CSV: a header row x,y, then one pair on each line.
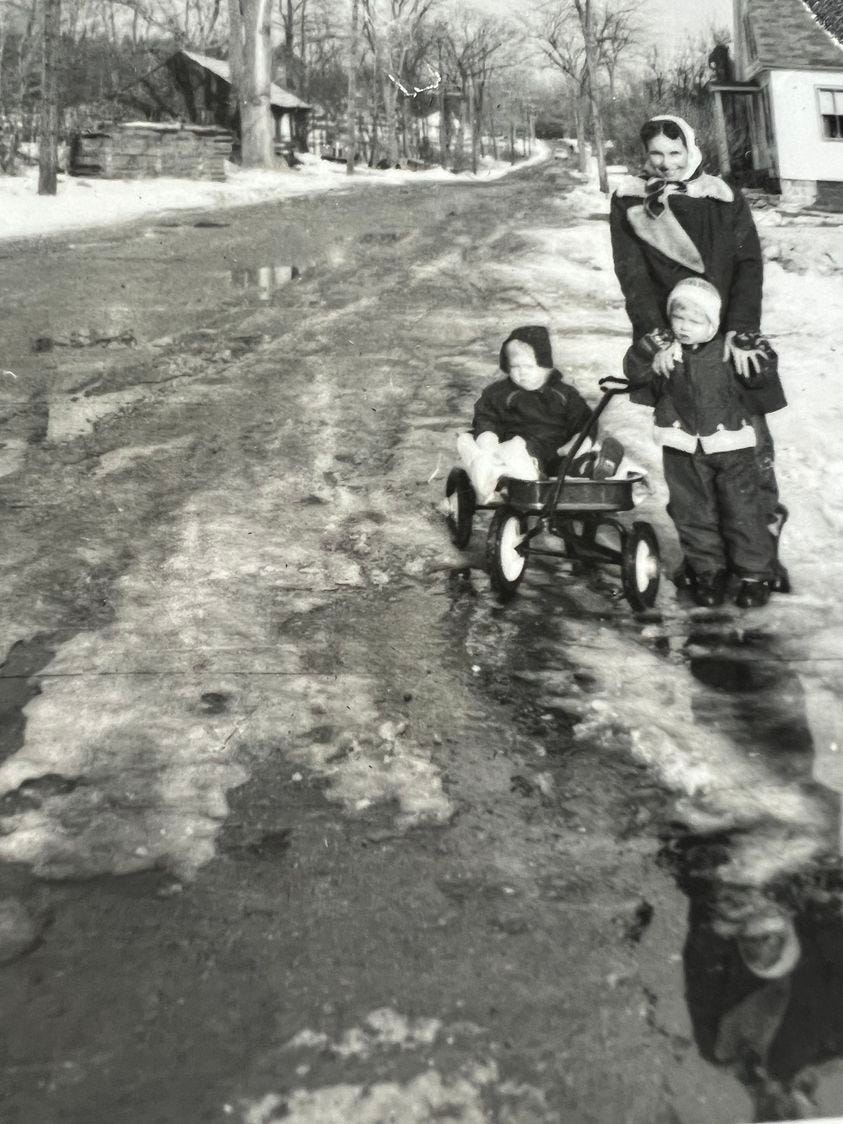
x,y
557,27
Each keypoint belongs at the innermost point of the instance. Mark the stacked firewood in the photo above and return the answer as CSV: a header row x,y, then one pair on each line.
x,y
144,150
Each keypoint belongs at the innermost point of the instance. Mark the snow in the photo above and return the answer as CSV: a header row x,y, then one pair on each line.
x,y
83,203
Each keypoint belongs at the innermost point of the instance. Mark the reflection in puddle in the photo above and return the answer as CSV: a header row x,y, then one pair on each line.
x,y
763,958
266,279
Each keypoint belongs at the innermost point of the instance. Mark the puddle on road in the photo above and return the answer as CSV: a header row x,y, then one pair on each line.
x,y
266,280
17,686
763,957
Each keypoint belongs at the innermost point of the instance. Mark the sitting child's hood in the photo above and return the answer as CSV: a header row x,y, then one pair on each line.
x,y
535,336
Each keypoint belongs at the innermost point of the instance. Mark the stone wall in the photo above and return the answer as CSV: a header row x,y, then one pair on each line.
x,y
829,195
142,151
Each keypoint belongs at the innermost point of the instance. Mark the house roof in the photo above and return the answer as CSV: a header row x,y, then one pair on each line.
x,y
796,34
279,97
829,15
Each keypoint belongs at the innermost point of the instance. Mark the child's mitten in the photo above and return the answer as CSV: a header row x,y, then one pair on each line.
x,y
658,340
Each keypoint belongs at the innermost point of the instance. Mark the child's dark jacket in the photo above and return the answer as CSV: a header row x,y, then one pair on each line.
x,y
545,418
703,400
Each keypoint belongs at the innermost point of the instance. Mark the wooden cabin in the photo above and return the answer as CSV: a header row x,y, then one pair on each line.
x,y
205,86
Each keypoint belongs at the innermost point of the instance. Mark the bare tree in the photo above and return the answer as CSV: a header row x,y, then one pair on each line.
x,y
48,146
474,43
351,138
581,38
392,27
585,14
250,60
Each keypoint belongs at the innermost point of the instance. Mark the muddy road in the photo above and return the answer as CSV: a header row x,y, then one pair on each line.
x,y
296,821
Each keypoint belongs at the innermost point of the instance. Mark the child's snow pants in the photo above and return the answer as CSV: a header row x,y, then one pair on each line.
x,y
717,506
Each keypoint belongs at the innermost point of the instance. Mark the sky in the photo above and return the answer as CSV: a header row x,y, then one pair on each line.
x,y
672,21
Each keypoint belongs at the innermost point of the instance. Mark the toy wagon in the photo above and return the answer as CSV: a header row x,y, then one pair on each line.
x,y
573,509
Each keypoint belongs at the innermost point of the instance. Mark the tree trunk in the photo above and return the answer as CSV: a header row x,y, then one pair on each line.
x,y
235,55
585,14
511,141
250,54
351,131
391,139
305,84
472,124
443,131
48,144
582,114
492,133
3,31
376,85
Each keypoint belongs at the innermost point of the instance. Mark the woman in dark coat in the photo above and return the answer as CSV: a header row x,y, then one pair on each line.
x,y
676,221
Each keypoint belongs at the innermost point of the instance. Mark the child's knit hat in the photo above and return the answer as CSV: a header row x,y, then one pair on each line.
x,y
535,336
702,296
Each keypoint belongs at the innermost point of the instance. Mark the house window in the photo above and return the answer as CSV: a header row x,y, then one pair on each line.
x,y
831,113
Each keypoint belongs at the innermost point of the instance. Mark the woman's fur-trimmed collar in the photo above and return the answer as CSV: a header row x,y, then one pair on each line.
x,y
703,186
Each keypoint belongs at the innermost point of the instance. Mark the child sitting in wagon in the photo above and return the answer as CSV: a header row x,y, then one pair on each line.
x,y
524,421
703,421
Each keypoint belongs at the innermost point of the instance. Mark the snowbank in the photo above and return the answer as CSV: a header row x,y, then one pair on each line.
x,y
82,203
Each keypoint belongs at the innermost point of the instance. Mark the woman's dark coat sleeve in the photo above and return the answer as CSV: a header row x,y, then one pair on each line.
x,y
743,313
642,305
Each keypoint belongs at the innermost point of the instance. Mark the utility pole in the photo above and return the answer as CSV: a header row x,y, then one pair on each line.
x,y
351,131
49,138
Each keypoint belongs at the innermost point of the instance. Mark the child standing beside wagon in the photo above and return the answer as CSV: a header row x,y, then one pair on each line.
x,y
703,421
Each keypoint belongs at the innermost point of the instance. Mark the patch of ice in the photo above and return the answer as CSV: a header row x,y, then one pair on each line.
x,y
382,1029
429,1096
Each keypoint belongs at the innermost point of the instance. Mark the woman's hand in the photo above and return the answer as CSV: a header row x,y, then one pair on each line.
x,y
666,359
747,361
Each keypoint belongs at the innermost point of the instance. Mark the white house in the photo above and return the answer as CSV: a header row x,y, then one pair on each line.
x,y
789,65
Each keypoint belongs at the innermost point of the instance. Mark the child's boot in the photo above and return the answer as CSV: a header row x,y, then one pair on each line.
x,y
709,590
752,594
609,457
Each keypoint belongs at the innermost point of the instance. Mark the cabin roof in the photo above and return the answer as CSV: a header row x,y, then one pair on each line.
x,y
278,96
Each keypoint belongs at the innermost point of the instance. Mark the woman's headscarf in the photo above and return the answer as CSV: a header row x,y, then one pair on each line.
x,y
657,186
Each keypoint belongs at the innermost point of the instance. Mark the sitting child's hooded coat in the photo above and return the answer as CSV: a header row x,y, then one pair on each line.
x,y
546,418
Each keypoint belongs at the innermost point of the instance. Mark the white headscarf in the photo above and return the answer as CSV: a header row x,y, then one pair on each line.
x,y
695,157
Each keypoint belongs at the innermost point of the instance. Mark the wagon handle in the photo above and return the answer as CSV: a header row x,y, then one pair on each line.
x,y
614,384
610,385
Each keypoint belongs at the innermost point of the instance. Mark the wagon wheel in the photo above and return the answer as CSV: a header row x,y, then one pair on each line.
x,y
460,493
505,562
640,566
